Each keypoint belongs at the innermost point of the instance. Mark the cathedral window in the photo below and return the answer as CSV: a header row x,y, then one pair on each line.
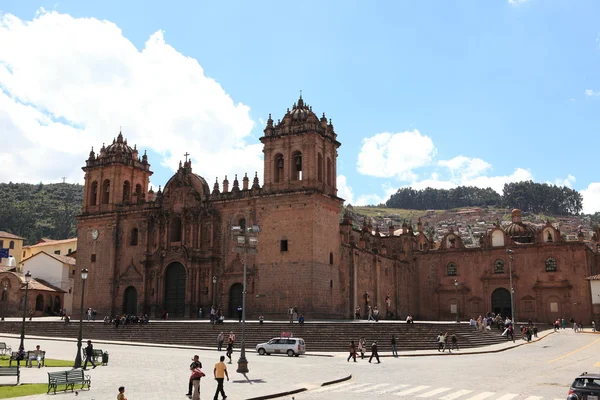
x,y
126,191
92,258
297,167
320,167
278,168
94,194
283,246
138,190
57,252
550,264
330,258
329,172
499,267
451,269
105,191
11,245
4,294
134,237
176,229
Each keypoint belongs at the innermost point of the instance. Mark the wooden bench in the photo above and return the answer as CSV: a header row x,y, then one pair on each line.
x,y
15,354
69,379
4,349
11,371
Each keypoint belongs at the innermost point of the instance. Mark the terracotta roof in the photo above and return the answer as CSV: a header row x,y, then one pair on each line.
x,y
6,268
50,242
62,259
593,278
6,235
40,284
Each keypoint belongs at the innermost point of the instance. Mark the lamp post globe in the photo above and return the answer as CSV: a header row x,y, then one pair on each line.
x,y
84,275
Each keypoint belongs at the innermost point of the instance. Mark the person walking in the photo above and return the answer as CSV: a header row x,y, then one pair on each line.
x,y
89,355
239,311
220,372
374,352
454,341
361,347
352,350
193,366
220,340
229,349
440,341
394,352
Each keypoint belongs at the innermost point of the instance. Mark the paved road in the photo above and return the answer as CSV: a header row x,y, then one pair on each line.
x,y
540,370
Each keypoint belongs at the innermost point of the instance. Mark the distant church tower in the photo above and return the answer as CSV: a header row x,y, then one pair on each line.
x,y
300,152
117,175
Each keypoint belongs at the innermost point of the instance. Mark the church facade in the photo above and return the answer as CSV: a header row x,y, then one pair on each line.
x,y
177,249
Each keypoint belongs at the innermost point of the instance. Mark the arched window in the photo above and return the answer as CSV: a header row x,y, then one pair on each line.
x,y
451,269
550,264
297,167
94,194
11,245
320,167
39,303
126,191
499,267
330,258
134,237
105,191
329,172
278,168
138,192
176,229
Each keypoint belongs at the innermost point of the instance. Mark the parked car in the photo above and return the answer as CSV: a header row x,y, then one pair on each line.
x,y
585,387
282,345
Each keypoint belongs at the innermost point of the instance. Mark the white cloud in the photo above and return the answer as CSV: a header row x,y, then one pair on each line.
x,y
386,155
568,181
462,167
69,83
517,2
344,190
590,92
591,198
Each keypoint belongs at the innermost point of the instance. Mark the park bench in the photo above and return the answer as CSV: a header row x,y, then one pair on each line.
x,y
97,355
4,349
15,354
11,371
69,379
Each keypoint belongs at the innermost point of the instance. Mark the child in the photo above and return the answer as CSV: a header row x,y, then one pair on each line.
x,y
121,395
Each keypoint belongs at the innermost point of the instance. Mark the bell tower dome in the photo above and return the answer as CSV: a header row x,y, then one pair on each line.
x,y
300,151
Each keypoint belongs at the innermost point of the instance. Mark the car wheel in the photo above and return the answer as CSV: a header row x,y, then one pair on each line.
x,y
290,353
261,351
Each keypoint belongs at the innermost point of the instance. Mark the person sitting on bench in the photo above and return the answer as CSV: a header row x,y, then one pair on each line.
x,y
35,355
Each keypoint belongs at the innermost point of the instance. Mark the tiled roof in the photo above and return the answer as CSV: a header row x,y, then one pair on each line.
x,y
40,284
593,278
62,259
51,242
6,235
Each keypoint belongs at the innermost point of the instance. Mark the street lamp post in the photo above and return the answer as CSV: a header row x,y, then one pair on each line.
x,y
22,344
84,274
214,292
246,241
456,289
4,296
512,288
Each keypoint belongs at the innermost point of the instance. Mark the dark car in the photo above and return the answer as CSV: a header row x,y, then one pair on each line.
x,y
585,387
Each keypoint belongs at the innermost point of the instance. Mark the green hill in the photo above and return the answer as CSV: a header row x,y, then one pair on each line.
x,y
36,211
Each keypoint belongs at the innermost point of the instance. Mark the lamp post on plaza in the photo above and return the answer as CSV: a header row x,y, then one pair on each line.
x,y
84,274
4,296
246,241
512,288
456,289
22,344
214,292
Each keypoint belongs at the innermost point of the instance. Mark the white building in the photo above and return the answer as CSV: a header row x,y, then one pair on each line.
x,y
55,269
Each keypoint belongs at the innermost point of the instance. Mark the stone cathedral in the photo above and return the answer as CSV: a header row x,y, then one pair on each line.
x,y
174,250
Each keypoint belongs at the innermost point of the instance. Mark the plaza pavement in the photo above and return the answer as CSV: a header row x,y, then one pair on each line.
x,y
155,372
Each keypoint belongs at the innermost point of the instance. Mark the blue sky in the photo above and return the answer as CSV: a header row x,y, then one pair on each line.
x,y
422,93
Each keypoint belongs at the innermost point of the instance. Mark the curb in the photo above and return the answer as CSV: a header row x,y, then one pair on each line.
x,y
346,378
273,396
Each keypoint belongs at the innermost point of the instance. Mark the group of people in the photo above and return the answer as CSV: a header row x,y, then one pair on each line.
x,y
219,373
447,341
361,348
216,315
126,319
294,315
577,326
230,343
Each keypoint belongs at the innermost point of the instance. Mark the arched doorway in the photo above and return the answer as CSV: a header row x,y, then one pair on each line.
x,y
175,290
501,302
56,305
235,299
130,301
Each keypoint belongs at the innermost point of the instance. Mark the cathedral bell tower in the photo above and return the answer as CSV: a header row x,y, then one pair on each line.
x,y
116,175
300,152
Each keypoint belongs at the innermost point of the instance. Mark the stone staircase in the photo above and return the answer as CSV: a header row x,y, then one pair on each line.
x,y
320,336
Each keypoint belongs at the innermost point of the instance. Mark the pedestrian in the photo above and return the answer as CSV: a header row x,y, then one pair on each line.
x,y
291,314
239,311
193,366
440,341
357,312
593,326
220,372
454,341
121,395
89,314
220,340
89,355
200,313
535,331
352,350
229,349
361,347
374,352
394,352
195,377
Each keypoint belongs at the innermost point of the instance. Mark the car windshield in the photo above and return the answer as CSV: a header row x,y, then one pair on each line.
x,y
587,383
